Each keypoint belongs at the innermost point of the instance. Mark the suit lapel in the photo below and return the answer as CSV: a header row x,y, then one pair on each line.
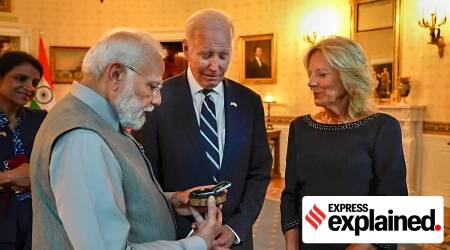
x,y
232,116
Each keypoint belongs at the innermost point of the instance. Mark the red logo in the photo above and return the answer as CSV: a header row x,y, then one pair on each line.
x,y
315,217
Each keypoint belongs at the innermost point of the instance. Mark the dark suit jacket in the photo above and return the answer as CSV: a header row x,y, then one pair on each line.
x,y
253,70
171,138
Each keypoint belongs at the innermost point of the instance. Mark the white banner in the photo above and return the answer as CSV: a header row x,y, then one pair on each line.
x,y
373,219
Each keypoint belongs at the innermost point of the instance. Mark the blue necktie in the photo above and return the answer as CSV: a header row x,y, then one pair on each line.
x,y
208,131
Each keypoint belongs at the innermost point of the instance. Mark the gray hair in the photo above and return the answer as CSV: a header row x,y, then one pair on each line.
x,y
349,59
208,19
128,46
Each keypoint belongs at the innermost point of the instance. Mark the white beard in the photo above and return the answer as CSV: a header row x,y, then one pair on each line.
x,y
129,110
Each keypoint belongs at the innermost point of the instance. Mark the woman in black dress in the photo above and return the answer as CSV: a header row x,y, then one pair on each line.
x,y
20,74
346,148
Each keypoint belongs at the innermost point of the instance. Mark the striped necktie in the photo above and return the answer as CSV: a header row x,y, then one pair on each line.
x,y
208,131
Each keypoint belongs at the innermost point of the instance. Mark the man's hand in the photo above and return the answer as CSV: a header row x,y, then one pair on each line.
x,y
180,200
210,228
225,238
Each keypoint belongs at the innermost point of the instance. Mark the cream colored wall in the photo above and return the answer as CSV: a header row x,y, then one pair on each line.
x,y
284,19
430,74
81,22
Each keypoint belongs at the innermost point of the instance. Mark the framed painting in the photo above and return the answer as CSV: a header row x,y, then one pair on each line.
x,y
383,77
66,63
258,59
5,5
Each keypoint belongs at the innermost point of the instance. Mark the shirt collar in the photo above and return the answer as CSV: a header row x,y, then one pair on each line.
x,y
97,103
195,86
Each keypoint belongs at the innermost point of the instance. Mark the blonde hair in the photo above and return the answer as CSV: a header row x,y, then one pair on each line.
x,y
208,19
128,46
349,59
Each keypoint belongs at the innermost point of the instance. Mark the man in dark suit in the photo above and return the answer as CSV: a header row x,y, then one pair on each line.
x,y
209,129
256,68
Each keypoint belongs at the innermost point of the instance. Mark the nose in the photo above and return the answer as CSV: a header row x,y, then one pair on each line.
x,y
213,64
312,83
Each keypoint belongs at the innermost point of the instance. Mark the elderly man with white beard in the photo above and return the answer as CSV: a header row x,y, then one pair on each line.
x,y
92,186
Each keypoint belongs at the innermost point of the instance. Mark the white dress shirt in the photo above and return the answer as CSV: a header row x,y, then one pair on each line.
x,y
218,97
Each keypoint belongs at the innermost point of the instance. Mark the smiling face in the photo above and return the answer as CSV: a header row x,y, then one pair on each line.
x,y
208,52
326,83
19,85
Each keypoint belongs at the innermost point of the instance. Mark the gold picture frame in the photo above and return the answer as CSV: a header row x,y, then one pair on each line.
x,y
66,63
258,62
5,5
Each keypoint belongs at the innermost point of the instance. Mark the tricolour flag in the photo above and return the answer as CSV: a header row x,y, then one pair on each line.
x,y
44,98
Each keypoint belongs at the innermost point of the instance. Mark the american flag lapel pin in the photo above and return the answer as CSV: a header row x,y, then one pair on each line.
x,y
233,104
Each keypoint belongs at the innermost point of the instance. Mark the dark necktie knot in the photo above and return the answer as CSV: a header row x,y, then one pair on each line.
x,y
206,91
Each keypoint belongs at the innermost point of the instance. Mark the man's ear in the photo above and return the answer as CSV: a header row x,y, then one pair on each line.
x,y
185,47
115,74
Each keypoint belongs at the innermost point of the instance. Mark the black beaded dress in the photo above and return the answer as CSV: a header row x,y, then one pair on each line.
x,y
358,158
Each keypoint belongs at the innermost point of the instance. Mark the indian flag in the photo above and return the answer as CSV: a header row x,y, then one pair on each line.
x,y
44,98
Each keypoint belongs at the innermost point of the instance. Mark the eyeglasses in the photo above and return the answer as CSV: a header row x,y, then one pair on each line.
x,y
153,85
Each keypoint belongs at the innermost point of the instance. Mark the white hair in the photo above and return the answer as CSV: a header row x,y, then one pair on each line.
x,y
208,19
130,110
127,46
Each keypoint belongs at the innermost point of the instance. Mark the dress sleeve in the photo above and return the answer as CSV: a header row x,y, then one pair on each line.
x,y
389,161
290,198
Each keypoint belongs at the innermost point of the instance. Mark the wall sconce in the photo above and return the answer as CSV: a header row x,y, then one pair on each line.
x,y
312,37
269,99
435,31
318,24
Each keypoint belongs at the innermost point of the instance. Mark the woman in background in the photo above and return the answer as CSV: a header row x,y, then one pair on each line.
x,y
346,149
20,74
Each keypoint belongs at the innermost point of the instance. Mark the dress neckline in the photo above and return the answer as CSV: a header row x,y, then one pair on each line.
x,y
337,127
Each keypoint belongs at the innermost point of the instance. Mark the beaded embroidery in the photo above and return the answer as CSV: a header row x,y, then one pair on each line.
x,y
338,127
290,225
